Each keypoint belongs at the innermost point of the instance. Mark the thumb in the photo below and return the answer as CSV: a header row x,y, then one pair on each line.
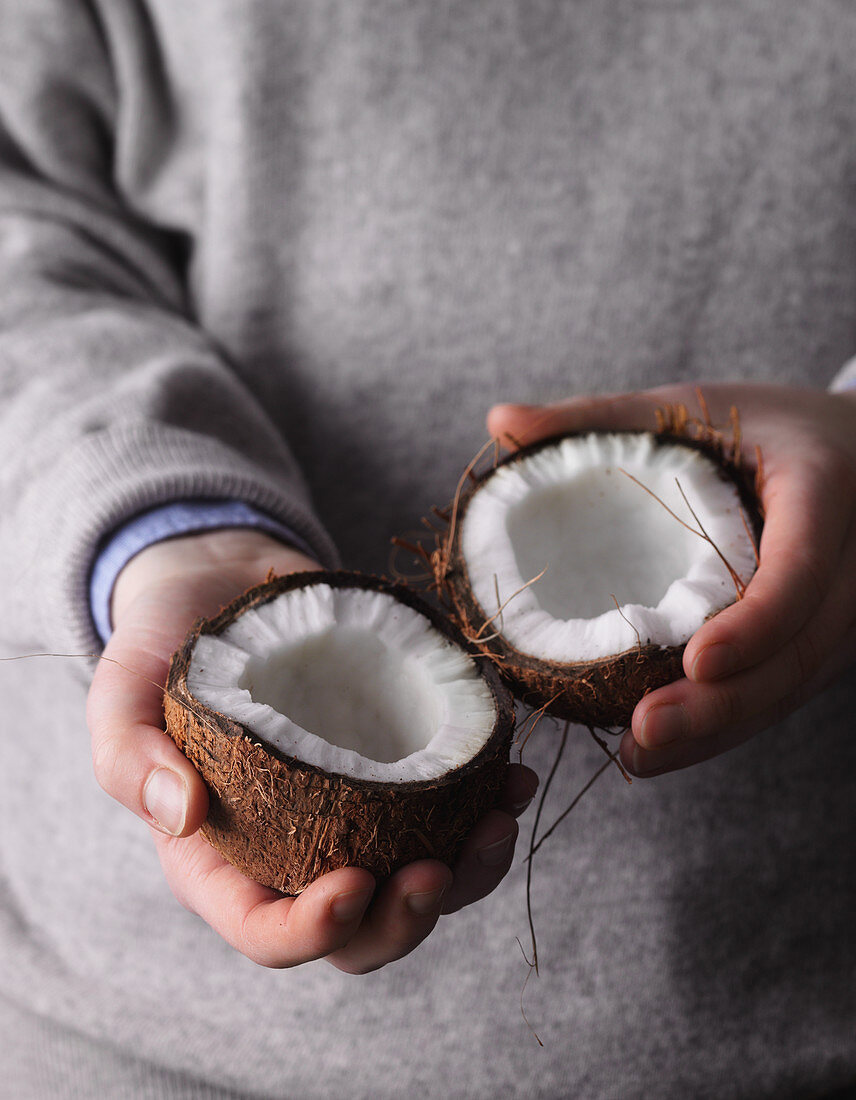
x,y
134,760
519,425
157,596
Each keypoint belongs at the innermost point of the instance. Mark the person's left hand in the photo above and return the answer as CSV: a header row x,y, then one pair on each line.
x,y
794,630
358,925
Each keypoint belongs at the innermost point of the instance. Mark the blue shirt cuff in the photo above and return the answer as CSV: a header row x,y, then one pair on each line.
x,y
164,522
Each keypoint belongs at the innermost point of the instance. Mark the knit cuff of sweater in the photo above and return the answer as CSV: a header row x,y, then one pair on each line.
x,y
122,472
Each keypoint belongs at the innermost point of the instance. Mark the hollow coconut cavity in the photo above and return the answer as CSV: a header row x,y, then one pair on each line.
x,y
581,565
338,721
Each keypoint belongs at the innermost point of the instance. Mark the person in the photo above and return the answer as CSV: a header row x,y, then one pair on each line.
x,y
264,270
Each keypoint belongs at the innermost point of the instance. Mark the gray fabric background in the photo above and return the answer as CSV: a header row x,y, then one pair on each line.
x,y
353,227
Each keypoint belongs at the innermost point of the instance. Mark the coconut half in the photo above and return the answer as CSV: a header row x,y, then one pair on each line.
x,y
584,564
337,721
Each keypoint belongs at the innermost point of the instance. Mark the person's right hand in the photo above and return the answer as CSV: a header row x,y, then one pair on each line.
x,y
794,629
344,916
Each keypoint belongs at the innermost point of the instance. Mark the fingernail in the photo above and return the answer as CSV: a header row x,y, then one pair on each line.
x,y
715,662
664,724
165,800
645,762
424,903
348,906
519,807
494,854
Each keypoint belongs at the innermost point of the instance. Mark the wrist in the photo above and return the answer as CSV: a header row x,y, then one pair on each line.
x,y
238,556
167,521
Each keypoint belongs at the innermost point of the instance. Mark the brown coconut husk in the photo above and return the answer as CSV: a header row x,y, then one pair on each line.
x,y
283,822
602,692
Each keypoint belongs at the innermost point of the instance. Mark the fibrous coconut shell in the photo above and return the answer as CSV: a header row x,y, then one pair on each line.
x,y
284,822
601,692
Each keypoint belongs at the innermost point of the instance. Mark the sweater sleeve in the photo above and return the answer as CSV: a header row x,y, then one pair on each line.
x,y
114,400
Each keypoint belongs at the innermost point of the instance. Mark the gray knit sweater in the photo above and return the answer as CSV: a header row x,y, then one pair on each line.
x,y
243,240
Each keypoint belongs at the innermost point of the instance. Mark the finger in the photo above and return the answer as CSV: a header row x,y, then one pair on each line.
x,y
483,860
270,929
804,535
403,913
521,787
134,760
684,713
518,425
645,763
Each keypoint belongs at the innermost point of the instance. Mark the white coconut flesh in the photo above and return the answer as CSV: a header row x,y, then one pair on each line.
x,y
618,568
349,680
